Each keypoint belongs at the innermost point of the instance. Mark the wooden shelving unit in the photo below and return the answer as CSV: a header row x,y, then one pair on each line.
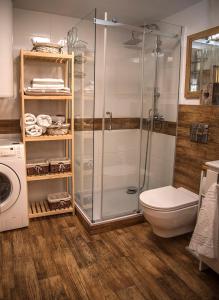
x,y
40,208
49,176
59,58
52,98
47,138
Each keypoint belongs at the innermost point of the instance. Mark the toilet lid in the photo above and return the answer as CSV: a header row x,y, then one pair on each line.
x,y
168,198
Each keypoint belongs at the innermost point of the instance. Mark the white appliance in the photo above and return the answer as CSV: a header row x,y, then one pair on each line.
x,y
13,186
170,211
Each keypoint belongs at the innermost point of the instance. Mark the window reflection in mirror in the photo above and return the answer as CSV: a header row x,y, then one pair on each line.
x,y
202,65
204,62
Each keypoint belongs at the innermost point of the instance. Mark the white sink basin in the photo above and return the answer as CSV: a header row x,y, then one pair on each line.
x,y
213,164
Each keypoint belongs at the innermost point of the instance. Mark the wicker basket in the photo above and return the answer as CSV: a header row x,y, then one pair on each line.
x,y
58,129
59,200
79,59
58,119
37,167
47,47
59,165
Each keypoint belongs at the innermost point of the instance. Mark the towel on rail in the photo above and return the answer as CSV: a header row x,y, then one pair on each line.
x,y
205,236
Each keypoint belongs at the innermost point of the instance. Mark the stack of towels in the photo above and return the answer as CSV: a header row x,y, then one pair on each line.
x,y
36,126
47,85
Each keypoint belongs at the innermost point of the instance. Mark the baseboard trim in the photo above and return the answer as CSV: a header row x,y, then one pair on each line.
x,y
95,228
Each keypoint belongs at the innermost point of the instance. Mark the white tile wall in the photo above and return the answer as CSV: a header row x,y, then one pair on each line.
x,y
162,156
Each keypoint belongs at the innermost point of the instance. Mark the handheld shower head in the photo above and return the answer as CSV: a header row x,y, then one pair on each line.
x,y
157,51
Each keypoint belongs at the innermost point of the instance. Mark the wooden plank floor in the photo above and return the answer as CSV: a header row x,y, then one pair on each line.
x,y
56,259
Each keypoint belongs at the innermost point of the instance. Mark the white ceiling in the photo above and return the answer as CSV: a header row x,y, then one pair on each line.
x,y
131,11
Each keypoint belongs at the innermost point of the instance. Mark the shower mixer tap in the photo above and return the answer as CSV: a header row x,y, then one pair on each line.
x,y
154,115
109,113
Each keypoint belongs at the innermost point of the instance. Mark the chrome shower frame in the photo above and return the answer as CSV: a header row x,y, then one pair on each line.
x,y
143,29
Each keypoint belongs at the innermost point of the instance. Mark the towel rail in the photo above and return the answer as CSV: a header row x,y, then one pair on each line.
x,y
205,262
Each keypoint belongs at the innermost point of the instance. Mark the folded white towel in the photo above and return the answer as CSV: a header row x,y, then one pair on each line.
x,y
47,80
45,90
39,39
44,120
47,86
29,119
33,130
205,237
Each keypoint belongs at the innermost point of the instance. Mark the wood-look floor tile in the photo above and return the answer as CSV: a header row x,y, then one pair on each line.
x,y
69,270
26,281
79,247
131,293
55,258
53,289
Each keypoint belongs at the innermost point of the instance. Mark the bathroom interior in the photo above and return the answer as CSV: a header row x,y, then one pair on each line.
x,y
131,185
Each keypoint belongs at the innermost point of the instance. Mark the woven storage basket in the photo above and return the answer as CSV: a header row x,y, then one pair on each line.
x,y
37,167
59,165
59,200
79,59
59,129
47,47
58,119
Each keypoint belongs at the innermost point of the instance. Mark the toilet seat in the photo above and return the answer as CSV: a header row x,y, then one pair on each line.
x,y
168,198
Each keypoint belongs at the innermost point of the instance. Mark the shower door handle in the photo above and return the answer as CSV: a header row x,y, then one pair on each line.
x,y
109,113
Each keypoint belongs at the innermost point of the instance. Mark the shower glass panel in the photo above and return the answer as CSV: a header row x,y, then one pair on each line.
x,y
148,86
162,54
82,36
122,113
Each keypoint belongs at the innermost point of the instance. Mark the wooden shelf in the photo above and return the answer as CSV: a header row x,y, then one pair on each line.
x,y
50,98
57,58
66,63
49,176
41,209
47,138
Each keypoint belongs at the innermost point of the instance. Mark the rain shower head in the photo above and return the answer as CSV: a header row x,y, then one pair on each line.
x,y
151,27
133,41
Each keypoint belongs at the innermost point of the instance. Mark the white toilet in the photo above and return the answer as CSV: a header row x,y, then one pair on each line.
x,y
170,211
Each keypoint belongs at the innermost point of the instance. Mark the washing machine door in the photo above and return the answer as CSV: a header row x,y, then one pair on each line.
x,y
9,187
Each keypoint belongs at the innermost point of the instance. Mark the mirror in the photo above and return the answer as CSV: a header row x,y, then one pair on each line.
x,y
202,64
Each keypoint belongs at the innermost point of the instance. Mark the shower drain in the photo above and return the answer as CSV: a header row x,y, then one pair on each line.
x,y
132,190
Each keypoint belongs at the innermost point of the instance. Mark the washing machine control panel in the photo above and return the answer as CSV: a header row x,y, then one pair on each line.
x,y
11,150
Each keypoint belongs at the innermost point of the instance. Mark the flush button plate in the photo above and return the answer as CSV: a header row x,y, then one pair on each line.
x,y
199,133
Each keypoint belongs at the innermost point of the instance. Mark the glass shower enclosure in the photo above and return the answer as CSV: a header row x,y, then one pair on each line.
x,y
126,96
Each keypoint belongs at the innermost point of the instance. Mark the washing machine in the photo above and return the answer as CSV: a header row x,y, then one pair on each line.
x,y
13,186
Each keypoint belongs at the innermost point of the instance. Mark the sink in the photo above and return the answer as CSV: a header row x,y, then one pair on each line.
x,y
213,164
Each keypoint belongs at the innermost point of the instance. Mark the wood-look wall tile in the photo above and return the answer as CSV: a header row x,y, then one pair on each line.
x,y
10,126
191,156
89,124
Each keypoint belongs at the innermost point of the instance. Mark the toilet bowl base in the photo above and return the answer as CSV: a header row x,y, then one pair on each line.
x,y
168,233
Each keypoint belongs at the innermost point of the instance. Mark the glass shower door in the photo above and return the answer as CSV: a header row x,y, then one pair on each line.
x,y
82,38
122,110
166,55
